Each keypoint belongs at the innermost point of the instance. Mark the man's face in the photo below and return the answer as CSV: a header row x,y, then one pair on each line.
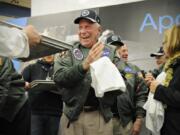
x,y
160,60
88,33
123,52
49,59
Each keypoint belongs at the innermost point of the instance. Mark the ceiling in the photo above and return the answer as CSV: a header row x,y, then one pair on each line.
x,y
14,9
47,7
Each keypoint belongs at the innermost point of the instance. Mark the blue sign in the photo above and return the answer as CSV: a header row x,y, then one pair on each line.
x,y
19,21
17,64
160,26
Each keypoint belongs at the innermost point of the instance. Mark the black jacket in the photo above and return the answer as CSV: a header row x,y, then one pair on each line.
x,y
12,92
171,97
45,102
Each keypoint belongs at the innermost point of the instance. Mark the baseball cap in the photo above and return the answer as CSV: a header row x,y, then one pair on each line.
x,y
114,40
160,52
89,15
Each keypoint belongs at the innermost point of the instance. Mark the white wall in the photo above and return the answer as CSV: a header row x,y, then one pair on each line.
x,y
44,7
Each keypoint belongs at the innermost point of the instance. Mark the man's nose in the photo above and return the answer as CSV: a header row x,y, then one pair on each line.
x,y
82,30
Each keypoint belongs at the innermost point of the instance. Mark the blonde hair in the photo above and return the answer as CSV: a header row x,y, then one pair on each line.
x,y
172,41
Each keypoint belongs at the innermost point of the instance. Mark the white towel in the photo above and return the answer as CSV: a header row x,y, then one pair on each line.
x,y
154,110
105,77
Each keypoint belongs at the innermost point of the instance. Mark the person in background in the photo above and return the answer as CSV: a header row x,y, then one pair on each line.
x,y
122,53
169,92
128,109
160,61
16,43
14,104
84,113
46,105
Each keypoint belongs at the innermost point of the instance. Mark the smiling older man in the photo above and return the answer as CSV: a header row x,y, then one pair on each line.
x,y
84,113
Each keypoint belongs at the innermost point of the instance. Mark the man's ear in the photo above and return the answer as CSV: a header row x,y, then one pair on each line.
x,y
100,31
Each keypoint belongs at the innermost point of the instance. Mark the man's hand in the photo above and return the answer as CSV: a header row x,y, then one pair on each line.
x,y
148,78
137,126
33,35
27,85
153,86
94,54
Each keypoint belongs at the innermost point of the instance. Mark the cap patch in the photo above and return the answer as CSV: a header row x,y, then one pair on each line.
x,y
114,38
85,13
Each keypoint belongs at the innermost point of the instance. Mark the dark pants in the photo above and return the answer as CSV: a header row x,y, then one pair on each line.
x,y
20,125
44,124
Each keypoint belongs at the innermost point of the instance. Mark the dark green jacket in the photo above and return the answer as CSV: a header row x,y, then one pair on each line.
x,y
155,72
12,95
76,82
130,104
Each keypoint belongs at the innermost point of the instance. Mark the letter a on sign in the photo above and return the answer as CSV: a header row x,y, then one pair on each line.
x,y
148,21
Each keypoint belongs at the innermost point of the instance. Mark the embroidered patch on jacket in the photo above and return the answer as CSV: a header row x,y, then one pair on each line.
x,y
106,52
78,54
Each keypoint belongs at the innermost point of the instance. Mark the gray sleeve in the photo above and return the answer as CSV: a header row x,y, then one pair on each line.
x,y
13,42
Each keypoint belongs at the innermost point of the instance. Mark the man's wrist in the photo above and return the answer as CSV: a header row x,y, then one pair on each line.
x,y
81,69
85,65
140,119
